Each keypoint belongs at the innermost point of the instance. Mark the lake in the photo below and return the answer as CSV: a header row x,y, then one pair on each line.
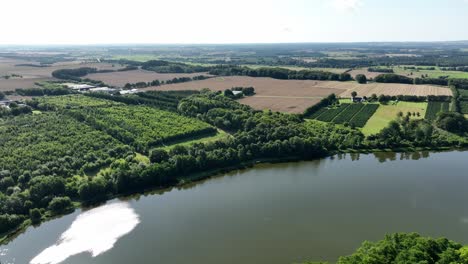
x,y
281,213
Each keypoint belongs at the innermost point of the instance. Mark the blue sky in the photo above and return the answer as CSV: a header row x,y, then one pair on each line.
x,y
228,21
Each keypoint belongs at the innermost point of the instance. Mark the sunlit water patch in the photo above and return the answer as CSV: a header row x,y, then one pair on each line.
x,y
95,231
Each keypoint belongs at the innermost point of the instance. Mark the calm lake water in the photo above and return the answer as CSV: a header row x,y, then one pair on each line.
x,y
283,213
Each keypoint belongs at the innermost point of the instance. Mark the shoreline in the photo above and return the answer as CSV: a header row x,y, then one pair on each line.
x,y
206,175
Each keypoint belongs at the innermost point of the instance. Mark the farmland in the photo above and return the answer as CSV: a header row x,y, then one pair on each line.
x,y
292,96
32,74
120,78
295,105
434,108
355,114
392,89
389,112
140,126
430,73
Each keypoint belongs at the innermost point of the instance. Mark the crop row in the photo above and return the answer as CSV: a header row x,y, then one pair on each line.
x,y
361,118
348,114
331,113
464,107
434,108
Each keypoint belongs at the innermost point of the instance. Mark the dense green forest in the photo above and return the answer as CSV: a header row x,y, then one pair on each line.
x,y
85,149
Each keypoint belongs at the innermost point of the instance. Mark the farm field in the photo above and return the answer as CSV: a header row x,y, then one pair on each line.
x,y
434,108
295,105
431,74
292,96
391,89
389,112
119,79
354,114
31,74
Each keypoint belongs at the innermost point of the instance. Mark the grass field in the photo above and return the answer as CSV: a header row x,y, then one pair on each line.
x,y
220,135
431,73
389,112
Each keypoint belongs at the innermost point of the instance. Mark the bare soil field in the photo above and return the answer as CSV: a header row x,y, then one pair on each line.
x,y
31,74
15,83
295,105
263,86
392,89
292,95
121,78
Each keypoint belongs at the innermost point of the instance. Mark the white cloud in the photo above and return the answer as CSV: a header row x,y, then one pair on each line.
x,y
347,5
95,231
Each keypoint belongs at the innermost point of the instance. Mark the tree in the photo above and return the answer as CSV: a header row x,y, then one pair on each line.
x,y
158,155
2,96
353,94
361,78
452,122
407,248
228,93
60,204
35,215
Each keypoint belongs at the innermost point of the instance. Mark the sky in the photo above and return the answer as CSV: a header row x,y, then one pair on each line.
x,y
31,22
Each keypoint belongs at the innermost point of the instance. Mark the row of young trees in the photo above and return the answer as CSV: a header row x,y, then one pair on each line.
x,y
395,78
279,73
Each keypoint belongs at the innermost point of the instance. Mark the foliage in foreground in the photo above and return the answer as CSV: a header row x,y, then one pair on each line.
x,y
408,248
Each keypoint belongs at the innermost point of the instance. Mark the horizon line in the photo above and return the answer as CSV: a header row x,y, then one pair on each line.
x,y
233,43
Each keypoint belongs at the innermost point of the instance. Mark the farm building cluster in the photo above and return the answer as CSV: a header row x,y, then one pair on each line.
x,y
84,88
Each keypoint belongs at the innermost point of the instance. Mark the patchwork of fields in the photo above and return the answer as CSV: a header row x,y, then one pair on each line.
x,y
32,74
294,96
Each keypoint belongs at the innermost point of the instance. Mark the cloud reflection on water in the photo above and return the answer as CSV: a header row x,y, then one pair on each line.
x,y
94,231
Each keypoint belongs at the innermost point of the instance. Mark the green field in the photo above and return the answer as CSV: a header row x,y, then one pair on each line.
x,y
434,108
389,112
353,114
218,136
431,73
